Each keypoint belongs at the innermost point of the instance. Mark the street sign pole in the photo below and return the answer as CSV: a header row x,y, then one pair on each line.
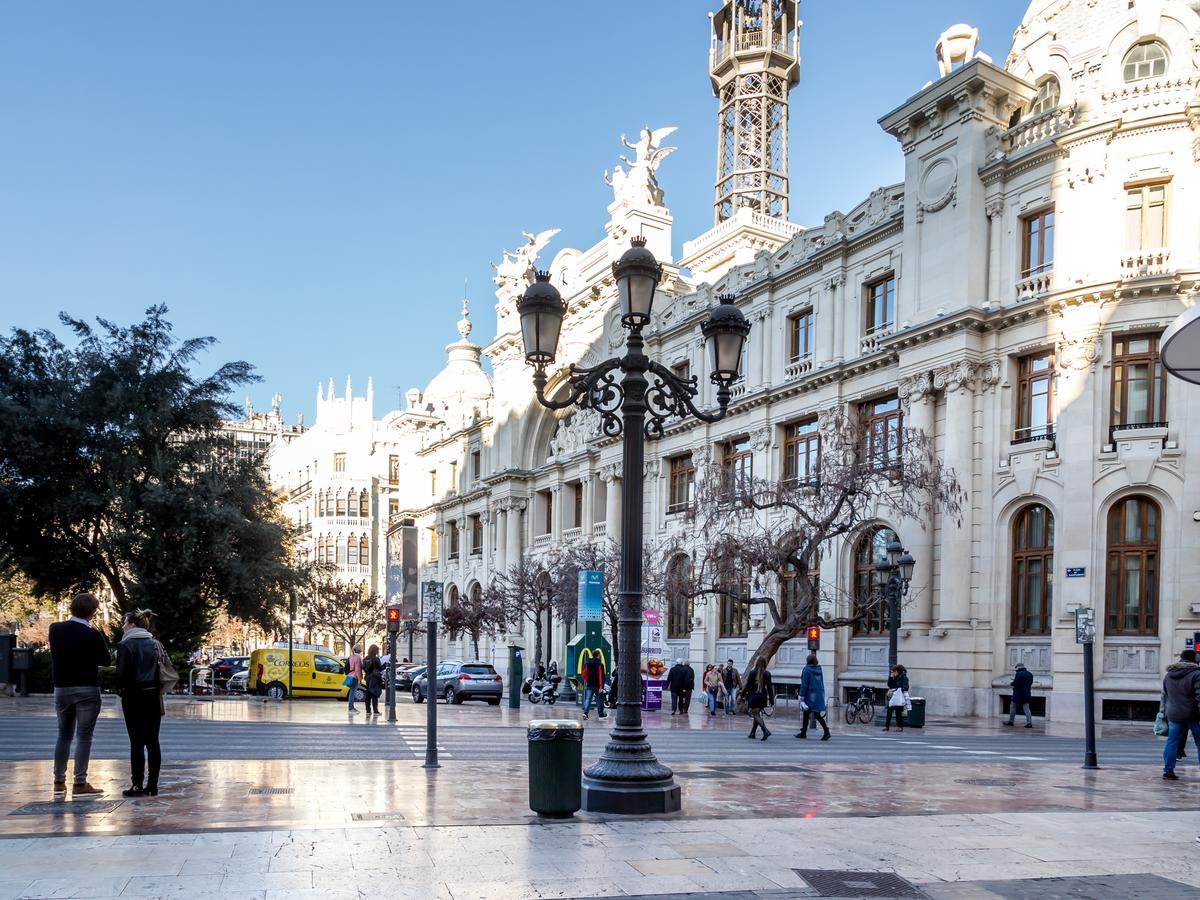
x,y
432,603
1085,634
291,621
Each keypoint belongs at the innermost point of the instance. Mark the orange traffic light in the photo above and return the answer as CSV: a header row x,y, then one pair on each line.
x,y
814,637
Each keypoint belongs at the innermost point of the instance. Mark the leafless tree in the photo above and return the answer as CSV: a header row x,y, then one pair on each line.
x,y
525,592
345,610
748,530
474,615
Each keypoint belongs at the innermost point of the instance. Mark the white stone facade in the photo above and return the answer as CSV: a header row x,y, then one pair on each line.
x,y
938,293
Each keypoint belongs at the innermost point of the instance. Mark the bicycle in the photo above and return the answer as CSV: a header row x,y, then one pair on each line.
x,y
862,707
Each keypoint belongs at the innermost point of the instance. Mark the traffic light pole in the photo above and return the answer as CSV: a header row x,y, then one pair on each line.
x,y
431,754
391,682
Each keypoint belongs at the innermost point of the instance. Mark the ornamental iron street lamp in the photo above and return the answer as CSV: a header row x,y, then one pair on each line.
x,y
892,577
628,778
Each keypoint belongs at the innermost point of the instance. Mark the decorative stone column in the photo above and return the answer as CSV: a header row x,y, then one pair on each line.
x,y
612,502
502,536
916,395
959,381
585,485
556,514
832,334
512,543
995,214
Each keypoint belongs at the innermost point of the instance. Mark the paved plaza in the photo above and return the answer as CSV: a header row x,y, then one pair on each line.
x,y
960,809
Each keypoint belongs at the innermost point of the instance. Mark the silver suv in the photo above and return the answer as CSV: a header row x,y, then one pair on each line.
x,y
458,681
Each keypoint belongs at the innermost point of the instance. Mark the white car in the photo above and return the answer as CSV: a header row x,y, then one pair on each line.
x,y
237,682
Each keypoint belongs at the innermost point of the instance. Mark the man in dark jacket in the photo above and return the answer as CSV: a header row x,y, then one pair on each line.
x,y
1181,705
689,685
593,685
1022,694
675,681
77,650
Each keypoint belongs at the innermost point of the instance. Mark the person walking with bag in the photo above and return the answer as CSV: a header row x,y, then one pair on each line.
x,y
1181,703
812,696
372,669
1022,694
353,677
139,683
759,694
77,650
593,685
897,697
713,687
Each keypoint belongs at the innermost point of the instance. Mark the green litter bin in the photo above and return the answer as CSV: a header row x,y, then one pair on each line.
x,y
916,715
555,766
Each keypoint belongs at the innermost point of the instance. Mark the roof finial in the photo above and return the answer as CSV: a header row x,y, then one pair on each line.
x,y
464,324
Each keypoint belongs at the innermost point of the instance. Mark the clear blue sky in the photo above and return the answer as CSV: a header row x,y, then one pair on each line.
x,y
311,182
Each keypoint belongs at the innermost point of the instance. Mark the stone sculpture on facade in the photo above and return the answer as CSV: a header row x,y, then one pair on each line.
x,y
639,185
575,432
514,272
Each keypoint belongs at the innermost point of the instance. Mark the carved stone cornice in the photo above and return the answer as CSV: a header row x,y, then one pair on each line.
x,y
959,376
610,472
916,388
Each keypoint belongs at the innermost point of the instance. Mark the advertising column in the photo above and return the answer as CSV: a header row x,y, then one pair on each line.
x,y
654,659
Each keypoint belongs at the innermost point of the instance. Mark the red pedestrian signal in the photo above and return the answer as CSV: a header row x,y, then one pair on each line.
x,y
393,619
814,637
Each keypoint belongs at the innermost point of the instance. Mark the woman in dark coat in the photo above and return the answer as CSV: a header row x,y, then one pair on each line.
x,y
759,692
812,695
897,697
373,679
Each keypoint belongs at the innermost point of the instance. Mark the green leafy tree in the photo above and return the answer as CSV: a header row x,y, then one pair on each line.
x,y
114,471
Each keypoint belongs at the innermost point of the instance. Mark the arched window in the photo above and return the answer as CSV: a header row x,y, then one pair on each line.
x,y
1145,60
341,505
1032,570
1132,585
364,505
352,550
681,607
870,549
451,597
1048,94
364,551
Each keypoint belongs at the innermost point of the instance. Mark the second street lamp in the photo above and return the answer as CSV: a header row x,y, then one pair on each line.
x,y
892,577
628,778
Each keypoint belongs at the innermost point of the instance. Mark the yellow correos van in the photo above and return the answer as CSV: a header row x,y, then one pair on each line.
x,y
315,673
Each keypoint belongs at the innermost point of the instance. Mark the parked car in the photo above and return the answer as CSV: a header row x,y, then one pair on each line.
x,y
457,681
227,666
405,676
237,682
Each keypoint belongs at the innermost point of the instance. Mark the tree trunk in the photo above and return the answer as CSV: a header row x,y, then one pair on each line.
x,y
475,642
774,639
537,640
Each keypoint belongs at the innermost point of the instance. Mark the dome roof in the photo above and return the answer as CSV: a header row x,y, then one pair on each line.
x,y
462,384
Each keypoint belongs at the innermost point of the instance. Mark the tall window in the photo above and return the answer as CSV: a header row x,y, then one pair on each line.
x,y
433,543
546,500
790,587
1032,570
1035,396
881,304
680,606
801,452
476,535
1139,395
341,505
1145,60
453,528
453,476
364,505
1146,216
339,462
800,336
1132,582
738,466
341,554
476,465
576,504
735,611
883,432
433,482
352,550
682,370
364,551
1048,94
681,485
393,469
1037,243
870,549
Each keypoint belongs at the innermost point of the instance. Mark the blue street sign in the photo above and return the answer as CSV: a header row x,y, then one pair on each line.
x,y
591,595
1076,571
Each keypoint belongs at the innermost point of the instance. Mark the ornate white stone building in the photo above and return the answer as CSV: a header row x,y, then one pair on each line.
x,y
1005,297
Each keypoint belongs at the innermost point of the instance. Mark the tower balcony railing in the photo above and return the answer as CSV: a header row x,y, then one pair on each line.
x,y
1149,96
1038,129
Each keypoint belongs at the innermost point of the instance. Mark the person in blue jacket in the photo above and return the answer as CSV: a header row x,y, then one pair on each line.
x,y
812,696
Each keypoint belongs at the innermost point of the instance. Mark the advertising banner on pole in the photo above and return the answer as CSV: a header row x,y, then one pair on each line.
x,y
394,583
654,659
591,595
431,601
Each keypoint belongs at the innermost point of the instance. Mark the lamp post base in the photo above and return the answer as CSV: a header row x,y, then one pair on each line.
x,y
631,797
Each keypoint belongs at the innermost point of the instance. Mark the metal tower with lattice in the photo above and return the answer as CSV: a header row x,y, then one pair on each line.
x,y
754,60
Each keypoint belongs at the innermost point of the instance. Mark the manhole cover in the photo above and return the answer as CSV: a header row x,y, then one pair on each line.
x,y
835,883
377,817
986,782
262,791
64,808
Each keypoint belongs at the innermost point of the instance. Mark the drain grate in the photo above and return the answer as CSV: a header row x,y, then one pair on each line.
x,y
837,883
378,817
263,791
64,808
986,782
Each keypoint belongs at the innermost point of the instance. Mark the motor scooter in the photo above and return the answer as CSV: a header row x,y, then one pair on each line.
x,y
545,691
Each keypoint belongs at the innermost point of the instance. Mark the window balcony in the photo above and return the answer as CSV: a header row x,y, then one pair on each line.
x,y
572,534
541,541
1036,284
798,367
1146,263
1033,433
300,492
873,342
599,529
